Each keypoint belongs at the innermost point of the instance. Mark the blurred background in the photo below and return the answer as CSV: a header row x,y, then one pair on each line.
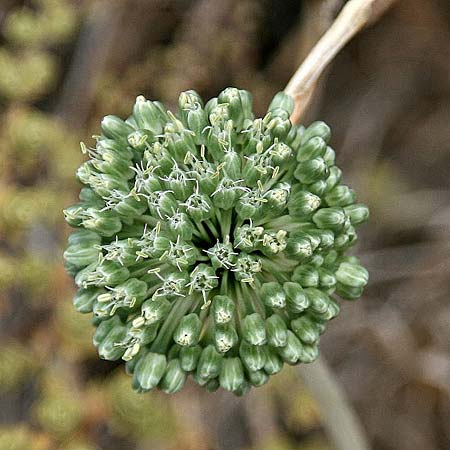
x,y
64,64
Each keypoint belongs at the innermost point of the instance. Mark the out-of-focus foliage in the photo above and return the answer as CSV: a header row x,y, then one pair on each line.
x,y
387,98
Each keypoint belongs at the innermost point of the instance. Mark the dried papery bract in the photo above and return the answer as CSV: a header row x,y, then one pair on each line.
x,y
212,243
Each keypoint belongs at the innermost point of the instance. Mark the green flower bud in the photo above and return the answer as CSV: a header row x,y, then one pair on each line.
x,y
258,378
210,363
283,101
303,203
291,352
326,278
280,154
329,156
306,276
115,128
212,385
131,364
103,222
297,301
333,179
155,310
174,377
188,331
319,301
352,275
88,196
320,129
357,213
225,337
246,101
340,196
306,329
332,218
272,295
254,330
149,115
104,328
319,187
84,238
294,137
252,356
149,371
74,214
232,374
84,299
243,389
311,171
107,274
349,292
80,255
189,357
223,309
311,149
273,362
108,348
331,312
279,125
276,331
309,353
299,248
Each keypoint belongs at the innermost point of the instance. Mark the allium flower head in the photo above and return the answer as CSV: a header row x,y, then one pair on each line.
x,y
212,243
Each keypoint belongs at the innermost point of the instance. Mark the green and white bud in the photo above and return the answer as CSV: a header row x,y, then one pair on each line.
x,y
149,371
84,299
223,309
311,149
306,276
189,357
283,101
231,374
252,356
254,329
312,171
357,213
210,363
272,295
225,337
297,301
306,329
276,331
291,352
352,275
340,196
303,203
174,377
332,218
320,129
273,363
258,378
188,331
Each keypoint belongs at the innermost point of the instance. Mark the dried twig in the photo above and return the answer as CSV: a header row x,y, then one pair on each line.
x,y
355,15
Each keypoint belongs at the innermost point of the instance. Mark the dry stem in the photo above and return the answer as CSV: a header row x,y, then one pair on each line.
x,y
354,16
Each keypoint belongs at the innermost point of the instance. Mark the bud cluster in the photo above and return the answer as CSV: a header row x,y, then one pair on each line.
x,y
212,243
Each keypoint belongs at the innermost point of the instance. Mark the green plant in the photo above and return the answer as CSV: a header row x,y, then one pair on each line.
x,y
210,242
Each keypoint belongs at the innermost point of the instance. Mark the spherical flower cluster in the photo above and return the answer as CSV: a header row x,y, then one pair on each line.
x,y
212,243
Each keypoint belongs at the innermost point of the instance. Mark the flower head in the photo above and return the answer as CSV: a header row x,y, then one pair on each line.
x,y
212,243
